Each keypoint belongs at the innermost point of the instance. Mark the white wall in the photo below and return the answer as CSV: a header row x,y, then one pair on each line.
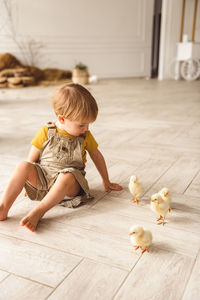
x,y
113,37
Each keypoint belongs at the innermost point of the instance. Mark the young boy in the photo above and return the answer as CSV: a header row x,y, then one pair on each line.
x,y
56,161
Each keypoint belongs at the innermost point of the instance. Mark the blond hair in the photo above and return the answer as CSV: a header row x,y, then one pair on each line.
x,y
74,102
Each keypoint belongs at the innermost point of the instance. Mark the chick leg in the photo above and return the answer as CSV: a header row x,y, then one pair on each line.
x,y
136,247
135,200
144,249
162,222
160,218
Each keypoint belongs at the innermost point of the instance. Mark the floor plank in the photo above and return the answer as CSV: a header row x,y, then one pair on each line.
x,y
14,287
3,275
179,176
90,280
41,264
194,188
168,269
193,288
78,241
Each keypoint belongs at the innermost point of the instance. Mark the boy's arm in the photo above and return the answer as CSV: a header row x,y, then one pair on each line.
x,y
100,164
34,154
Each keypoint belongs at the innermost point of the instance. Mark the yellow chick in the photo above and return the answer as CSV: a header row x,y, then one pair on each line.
x,y
166,196
140,238
158,205
135,188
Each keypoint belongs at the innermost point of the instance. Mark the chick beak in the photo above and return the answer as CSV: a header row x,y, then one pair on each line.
x,y
153,200
130,233
165,194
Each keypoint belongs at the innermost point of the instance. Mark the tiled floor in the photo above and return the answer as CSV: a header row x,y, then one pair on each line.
x,y
147,128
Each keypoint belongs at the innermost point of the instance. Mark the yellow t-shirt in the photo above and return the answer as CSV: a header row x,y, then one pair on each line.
x,y
89,142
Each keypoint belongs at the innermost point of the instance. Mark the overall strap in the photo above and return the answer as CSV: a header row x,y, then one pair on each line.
x,y
51,129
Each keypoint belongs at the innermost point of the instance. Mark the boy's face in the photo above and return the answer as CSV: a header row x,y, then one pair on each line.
x,y
75,128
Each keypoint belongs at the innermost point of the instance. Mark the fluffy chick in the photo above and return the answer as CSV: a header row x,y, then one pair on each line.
x,y
140,238
158,205
135,188
166,196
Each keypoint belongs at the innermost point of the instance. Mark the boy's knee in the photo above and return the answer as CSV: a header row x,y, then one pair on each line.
x,y
68,177
70,183
24,165
26,168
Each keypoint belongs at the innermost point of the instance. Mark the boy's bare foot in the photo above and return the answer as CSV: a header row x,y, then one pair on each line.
x,y
3,213
31,221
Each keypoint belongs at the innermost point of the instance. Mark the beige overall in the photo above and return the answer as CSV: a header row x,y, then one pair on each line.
x,y
59,154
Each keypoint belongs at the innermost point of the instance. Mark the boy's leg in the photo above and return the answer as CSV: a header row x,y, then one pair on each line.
x,y
66,184
25,171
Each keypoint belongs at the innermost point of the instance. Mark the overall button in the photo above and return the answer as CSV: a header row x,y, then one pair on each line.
x,y
64,149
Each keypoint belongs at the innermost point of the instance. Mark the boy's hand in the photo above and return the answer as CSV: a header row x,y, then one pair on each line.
x,y
110,186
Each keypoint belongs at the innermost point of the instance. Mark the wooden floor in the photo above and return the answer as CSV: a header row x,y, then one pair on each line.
x,y
147,128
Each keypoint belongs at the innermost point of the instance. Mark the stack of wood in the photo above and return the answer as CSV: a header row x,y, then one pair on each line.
x,y
16,78
15,75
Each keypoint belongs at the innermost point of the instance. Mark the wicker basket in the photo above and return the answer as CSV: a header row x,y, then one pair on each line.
x,y
80,76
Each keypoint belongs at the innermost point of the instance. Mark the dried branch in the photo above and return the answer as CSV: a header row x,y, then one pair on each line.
x,y
29,48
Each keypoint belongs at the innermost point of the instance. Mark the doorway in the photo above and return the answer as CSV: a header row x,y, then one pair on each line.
x,y
156,38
